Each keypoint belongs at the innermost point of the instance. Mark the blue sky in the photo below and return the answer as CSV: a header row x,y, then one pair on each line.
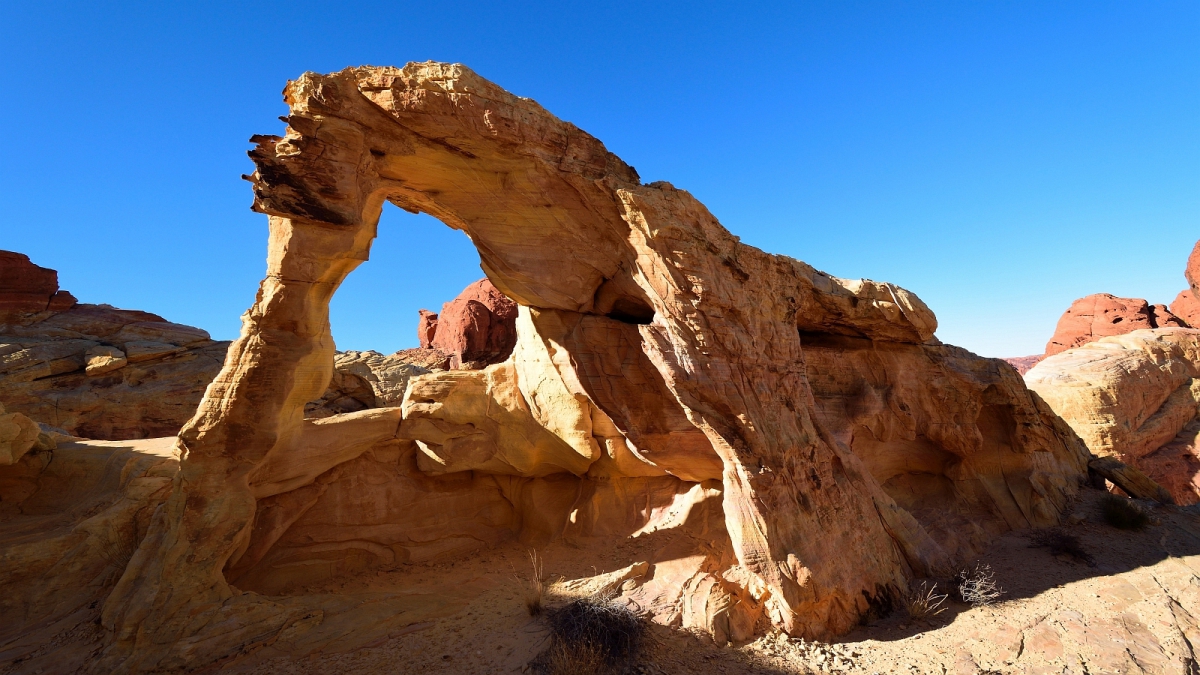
x,y
1000,159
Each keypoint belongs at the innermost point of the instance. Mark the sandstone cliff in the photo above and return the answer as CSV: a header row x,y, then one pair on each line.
x,y
644,397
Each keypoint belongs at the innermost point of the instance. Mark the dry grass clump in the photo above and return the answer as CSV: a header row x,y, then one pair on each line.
x,y
591,636
533,588
1123,514
1061,543
977,587
925,602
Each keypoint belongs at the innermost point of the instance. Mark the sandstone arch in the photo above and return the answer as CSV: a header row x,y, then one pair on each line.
x,y
567,230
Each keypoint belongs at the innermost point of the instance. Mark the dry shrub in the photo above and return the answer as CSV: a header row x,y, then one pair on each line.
x,y
591,636
1123,514
977,587
924,603
533,588
1061,543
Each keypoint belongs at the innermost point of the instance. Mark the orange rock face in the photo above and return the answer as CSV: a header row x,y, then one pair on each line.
x,y
1100,315
789,447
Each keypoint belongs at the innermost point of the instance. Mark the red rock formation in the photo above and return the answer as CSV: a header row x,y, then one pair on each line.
x,y
426,328
1024,363
1100,315
27,288
478,327
1187,308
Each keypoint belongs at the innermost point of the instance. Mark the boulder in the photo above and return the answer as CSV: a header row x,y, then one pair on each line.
x,y
18,435
103,359
1100,315
426,328
477,328
1134,397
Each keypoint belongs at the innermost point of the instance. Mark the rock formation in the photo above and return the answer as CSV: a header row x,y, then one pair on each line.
x,y
1095,316
94,370
793,460
477,328
26,288
1024,363
369,379
1187,308
1135,397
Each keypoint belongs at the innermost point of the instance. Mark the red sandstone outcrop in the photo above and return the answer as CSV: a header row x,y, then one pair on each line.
x,y
788,447
1024,363
1187,308
1095,316
477,328
27,288
426,328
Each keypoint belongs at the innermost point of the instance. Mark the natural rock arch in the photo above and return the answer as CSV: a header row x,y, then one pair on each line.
x,y
566,229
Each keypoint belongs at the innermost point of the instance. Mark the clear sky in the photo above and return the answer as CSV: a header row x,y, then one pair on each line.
x,y
1000,159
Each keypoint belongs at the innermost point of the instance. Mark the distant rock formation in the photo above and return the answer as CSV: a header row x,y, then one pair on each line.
x,y
1100,315
94,370
27,288
363,380
1024,363
477,328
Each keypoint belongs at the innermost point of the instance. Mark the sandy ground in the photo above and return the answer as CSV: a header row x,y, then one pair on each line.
x,y
1137,610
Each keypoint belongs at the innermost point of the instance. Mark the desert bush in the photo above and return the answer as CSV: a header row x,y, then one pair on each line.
x,y
1061,543
925,602
533,587
591,636
977,587
1123,514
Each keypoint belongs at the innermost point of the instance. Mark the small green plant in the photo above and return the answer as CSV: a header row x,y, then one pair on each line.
x,y
977,587
1061,543
924,602
1122,513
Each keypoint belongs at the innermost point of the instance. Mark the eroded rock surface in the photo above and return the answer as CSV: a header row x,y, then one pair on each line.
x,y
105,373
1095,316
759,451
477,328
369,379
1135,397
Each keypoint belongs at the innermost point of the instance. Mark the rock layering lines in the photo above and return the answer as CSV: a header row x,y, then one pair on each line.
x,y
1135,397
637,300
